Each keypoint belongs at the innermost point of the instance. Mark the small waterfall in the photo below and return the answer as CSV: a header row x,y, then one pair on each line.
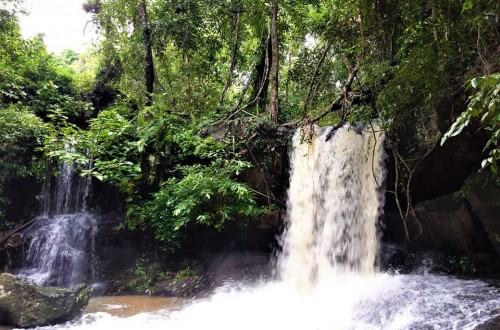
x,y
62,248
334,202
68,194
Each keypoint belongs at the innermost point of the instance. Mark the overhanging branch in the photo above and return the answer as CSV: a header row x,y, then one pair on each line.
x,y
345,96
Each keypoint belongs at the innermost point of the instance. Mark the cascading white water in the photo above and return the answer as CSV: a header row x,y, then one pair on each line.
x,y
327,271
62,247
334,202
69,194
61,251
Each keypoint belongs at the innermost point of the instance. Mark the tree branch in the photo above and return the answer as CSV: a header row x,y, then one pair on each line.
x,y
6,238
315,74
345,94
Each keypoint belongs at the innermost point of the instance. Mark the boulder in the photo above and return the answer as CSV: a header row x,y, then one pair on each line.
x,y
482,192
23,304
446,226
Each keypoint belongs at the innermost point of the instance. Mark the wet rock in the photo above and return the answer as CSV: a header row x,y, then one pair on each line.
x,y
23,304
245,267
392,257
445,169
442,224
482,192
181,286
493,324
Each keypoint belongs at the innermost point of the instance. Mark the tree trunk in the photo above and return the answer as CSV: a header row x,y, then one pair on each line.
x,y
260,82
233,58
148,52
274,102
287,81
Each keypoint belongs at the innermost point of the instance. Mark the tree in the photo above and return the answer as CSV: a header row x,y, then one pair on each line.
x,y
148,53
274,102
237,14
215,70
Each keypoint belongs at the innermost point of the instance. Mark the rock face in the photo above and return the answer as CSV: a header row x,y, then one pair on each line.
x,y
493,324
26,305
446,225
482,191
465,224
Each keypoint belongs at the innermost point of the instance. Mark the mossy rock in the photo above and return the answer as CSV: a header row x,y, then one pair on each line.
x,y
23,304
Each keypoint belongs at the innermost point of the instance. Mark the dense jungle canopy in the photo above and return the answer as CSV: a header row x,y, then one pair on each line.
x,y
181,97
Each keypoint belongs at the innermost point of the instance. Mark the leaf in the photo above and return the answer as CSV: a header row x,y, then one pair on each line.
x,y
493,105
473,83
483,118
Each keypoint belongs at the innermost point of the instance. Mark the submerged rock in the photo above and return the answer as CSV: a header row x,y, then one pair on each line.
x,y
23,304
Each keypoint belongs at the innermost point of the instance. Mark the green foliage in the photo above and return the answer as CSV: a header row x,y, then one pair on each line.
x,y
69,56
203,195
200,186
90,109
187,269
483,106
147,275
33,77
20,133
408,102
108,149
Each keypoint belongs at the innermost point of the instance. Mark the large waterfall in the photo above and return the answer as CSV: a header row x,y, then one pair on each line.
x,y
62,247
327,270
334,202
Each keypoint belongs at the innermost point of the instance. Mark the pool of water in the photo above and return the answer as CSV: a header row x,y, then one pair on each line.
x,y
376,302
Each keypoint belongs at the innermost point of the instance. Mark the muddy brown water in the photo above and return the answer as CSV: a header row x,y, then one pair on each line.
x,y
124,306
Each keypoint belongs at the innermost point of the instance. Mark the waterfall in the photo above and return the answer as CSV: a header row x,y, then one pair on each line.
x,y
62,248
334,202
69,194
328,276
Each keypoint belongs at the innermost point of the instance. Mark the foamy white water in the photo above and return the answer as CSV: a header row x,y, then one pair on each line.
x,y
328,278
376,302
